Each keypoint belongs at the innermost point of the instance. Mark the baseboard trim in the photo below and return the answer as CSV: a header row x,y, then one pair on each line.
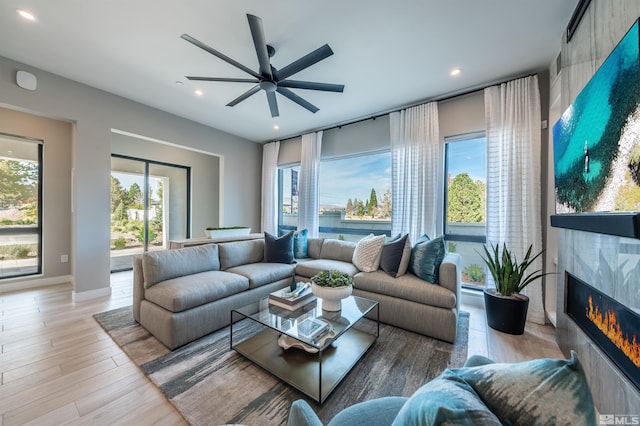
x,y
21,284
91,294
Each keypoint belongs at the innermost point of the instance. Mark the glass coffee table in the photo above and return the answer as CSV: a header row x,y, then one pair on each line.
x,y
322,363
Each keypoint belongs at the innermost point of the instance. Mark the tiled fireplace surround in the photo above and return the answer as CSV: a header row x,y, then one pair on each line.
x,y
612,265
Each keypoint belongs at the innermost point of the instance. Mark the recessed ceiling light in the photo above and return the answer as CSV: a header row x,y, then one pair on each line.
x,y
26,15
276,127
198,93
454,72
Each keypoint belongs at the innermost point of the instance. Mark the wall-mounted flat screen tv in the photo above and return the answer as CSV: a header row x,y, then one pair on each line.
x,y
597,140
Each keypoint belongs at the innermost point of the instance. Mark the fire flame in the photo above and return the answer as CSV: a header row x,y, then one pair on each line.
x,y
608,325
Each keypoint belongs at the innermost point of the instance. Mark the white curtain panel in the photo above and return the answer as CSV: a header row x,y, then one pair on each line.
x,y
308,204
416,169
270,187
512,112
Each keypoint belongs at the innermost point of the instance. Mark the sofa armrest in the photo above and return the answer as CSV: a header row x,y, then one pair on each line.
x,y
450,275
301,414
138,286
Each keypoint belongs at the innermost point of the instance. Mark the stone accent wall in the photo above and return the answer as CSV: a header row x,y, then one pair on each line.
x,y
611,264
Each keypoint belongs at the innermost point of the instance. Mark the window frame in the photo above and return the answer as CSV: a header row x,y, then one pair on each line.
x,y
38,230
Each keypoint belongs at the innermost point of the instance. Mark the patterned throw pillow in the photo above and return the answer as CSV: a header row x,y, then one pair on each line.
x,y
395,256
426,257
542,391
278,250
366,256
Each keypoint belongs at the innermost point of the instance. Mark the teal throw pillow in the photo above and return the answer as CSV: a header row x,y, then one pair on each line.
x,y
446,400
278,250
542,391
300,246
426,257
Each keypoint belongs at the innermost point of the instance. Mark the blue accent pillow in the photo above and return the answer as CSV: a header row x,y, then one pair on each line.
x,y
278,250
426,257
300,246
542,391
446,400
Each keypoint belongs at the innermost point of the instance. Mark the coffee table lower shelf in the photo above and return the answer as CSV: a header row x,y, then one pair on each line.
x,y
316,375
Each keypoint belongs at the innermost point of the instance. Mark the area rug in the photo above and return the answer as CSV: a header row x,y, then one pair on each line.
x,y
211,384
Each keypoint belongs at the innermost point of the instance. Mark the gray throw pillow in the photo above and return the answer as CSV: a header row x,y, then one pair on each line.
x,y
278,250
391,256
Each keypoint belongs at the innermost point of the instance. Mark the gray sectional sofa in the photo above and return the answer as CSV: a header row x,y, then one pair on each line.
x,y
183,294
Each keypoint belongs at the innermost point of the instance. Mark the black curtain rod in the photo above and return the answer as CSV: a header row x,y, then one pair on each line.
x,y
442,98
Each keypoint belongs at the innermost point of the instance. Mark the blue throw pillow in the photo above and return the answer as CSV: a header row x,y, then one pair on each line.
x,y
542,391
278,250
300,246
446,400
426,257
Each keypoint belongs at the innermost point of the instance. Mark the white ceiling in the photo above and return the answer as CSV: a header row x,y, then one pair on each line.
x,y
387,53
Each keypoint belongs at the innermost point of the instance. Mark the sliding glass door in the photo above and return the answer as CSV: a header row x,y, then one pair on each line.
x,y
149,206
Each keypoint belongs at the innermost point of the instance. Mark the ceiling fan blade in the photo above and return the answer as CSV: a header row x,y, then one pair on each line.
x,y
297,99
310,85
257,32
244,96
230,80
304,62
273,104
222,56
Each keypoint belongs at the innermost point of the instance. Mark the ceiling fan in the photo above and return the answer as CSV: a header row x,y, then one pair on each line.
x,y
268,78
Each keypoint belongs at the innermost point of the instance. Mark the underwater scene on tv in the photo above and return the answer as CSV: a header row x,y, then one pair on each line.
x,y
596,141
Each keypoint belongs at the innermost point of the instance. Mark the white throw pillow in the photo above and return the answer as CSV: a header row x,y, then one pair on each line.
x,y
366,256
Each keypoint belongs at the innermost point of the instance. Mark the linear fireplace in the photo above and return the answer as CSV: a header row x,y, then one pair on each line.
x,y
610,324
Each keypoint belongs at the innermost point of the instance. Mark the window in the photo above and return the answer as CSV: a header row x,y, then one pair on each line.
x,y
354,196
465,204
20,206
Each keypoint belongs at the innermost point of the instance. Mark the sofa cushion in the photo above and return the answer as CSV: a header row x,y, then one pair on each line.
x,y
337,250
426,258
159,266
240,253
278,249
555,390
260,274
314,247
395,251
446,400
312,267
407,287
366,256
189,291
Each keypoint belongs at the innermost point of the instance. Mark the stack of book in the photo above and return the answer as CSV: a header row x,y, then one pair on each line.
x,y
292,300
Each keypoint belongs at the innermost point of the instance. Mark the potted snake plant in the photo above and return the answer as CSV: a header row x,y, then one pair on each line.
x,y
505,307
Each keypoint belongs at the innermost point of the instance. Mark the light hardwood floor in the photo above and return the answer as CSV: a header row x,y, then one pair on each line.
x,y
57,365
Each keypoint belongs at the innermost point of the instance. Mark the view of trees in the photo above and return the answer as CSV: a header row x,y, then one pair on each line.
x,y
370,208
18,204
466,200
127,215
19,190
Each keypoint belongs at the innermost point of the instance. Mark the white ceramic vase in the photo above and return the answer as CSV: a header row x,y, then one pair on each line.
x,y
331,296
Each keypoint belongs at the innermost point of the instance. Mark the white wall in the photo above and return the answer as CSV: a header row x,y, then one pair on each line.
x,y
95,113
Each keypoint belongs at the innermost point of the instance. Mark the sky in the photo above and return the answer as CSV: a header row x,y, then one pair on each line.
x,y
468,156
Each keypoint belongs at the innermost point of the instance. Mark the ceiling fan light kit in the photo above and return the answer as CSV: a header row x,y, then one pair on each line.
x,y
268,78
